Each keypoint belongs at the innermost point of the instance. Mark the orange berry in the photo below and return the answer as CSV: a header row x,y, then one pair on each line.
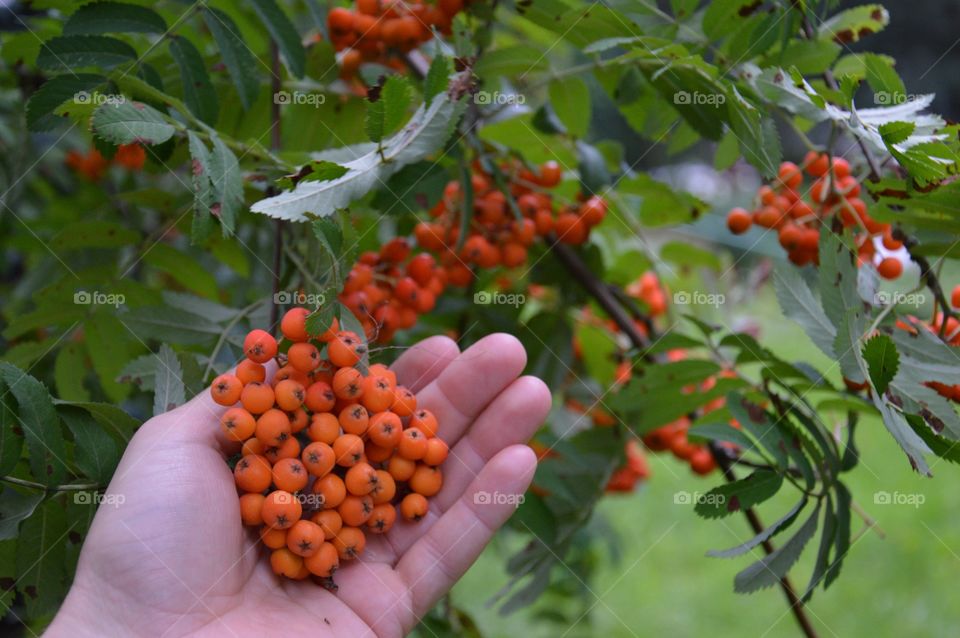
x,y
324,427
251,505
739,221
348,383
890,268
260,346
361,479
257,397
702,462
550,172
289,372
437,451
355,510
346,349
318,458
413,444
281,509
319,397
249,371
298,420
253,446
382,518
329,522
226,389
273,427
324,562
385,488
816,164
294,324
354,419
289,395
304,538
593,210
289,449
414,507
955,296
375,453
331,490
348,449
285,563
253,473
426,480
349,543
425,421
304,357
273,538
401,469
238,424
789,175
290,475
377,393
404,402
385,429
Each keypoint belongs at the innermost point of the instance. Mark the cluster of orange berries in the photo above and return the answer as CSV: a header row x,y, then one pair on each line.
x,y
329,454
92,164
799,217
378,30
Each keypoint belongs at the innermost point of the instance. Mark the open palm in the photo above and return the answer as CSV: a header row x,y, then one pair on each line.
x,y
171,558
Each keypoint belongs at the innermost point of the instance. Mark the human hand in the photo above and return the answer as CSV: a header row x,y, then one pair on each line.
x,y
174,559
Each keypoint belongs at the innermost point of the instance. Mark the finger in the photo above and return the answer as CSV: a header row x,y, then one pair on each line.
x,y
510,419
443,555
471,381
424,362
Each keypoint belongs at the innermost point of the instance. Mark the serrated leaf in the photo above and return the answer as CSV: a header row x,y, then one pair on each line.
x,y
314,171
69,369
167,324
107,352
882,361
203,194
169,390
798,303
72,52
95,452
111,417
54,92
758,137
887,86
827,540
284,34
768,571
41,558
41,427
387,107
236,55
198,91
774,528
438,78
570,100
841,533
15,506
226,183
113,17
739,495
128,122
319,320
427,130
853,24
11,442
348,321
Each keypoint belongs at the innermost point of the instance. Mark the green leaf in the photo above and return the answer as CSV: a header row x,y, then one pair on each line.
x,y
284,34
722,432
69,369
887,86
11,441
108,352
798,303
183,268
841,534
723,17
427,130
127,122
518,59
167,324
69,53
111,417
810,57
661,204
236,55
319,320
387,107
757,134
776,527
739,495
94,233
169,390
203,191
198,90
226,183
54,92
95,452
41,559
853,24
14,507
113,17
768,571
40,425
728,152
882,361
688,255
315,171
570,100
438,78
827,539
350,323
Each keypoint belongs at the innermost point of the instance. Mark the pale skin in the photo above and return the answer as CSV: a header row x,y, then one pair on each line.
x,y
174,560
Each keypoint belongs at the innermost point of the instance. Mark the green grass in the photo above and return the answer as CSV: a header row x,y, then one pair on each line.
x,y
662,584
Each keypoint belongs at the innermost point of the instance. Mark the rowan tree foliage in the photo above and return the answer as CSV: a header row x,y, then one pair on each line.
x,y
177,174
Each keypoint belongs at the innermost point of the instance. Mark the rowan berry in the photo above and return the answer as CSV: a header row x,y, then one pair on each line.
x,y
414,507
739,221
238,424
413,444
253,473
303,357
404,402
226,389
382,518
285,563
273,427
361,479
354,419
249,371
890,268
349,543
273,538
257,397
251,505
289,449
331,490
304,538
348,450
318,458
281,509
425,421
385,429
289,395
324,427
426,480
294,324
290,475
324,562
260,346
437,451
401,469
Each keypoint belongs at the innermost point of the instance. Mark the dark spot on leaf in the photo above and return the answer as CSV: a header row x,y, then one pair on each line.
x,y
748,9
755,412
877,14
215,209
864,32
75,537
7,584
31,591
935,422
733,504
844,36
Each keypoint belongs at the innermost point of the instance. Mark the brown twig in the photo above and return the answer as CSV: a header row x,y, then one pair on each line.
x,y
276,141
